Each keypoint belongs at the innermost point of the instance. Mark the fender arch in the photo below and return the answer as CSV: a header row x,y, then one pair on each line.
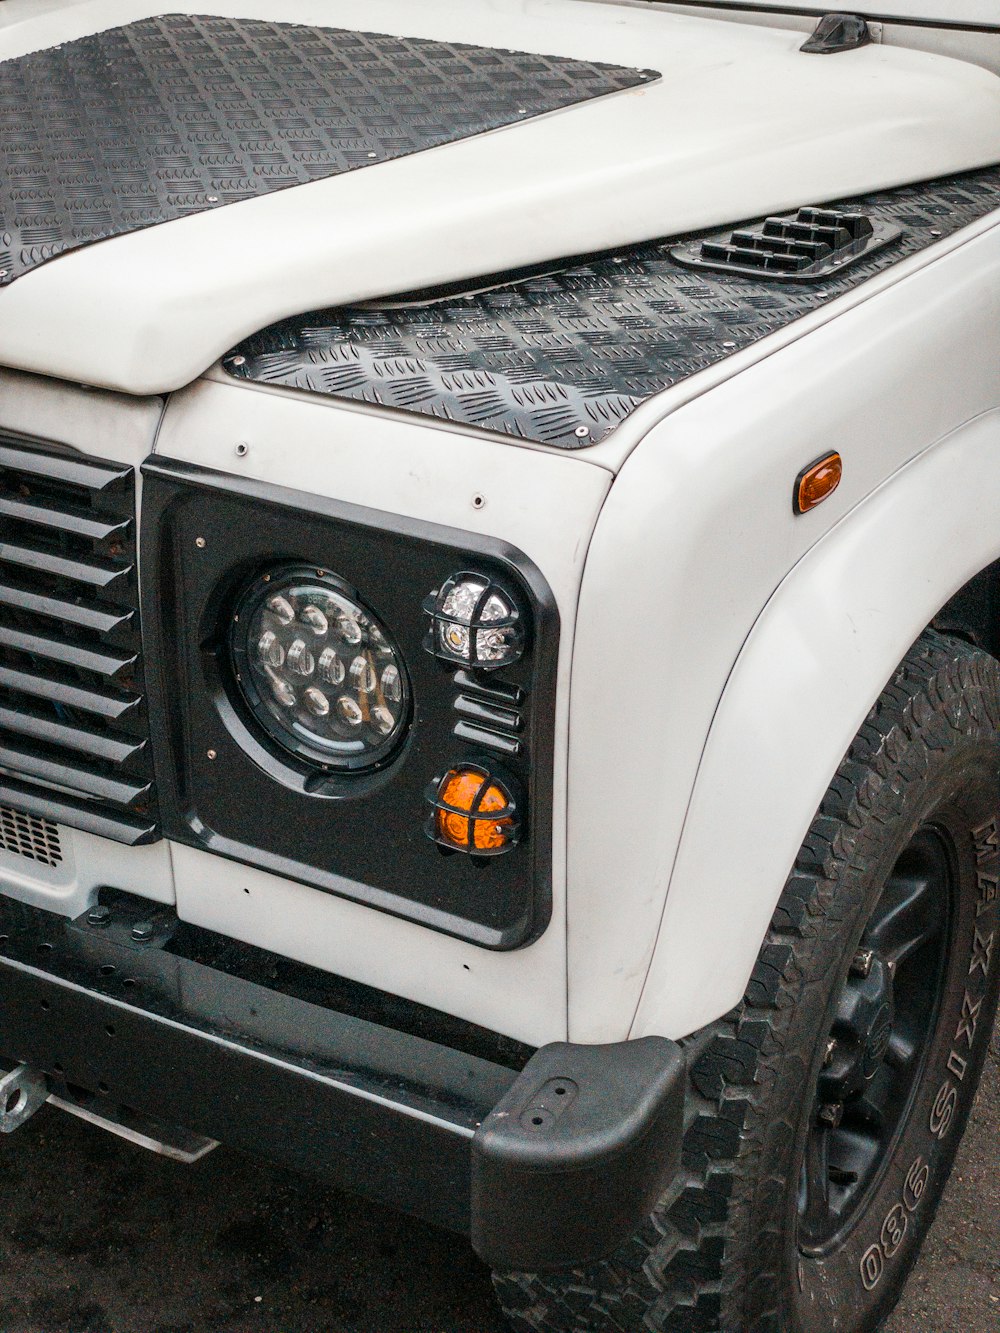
x,y
816,660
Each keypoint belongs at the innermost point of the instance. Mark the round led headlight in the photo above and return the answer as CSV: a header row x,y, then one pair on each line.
x,y
318,670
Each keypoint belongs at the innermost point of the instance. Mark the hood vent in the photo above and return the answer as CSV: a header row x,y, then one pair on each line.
x,y
813,244
74,745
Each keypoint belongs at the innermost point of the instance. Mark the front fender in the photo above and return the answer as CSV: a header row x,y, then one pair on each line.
x,y
816,660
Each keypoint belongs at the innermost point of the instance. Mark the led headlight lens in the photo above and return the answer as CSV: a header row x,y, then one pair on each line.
x,y
318,670
474,621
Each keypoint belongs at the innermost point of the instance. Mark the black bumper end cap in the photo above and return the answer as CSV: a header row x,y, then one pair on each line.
x,y
574,1158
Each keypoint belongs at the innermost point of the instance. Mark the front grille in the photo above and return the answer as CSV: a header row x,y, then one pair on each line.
x,y
74,744
30,837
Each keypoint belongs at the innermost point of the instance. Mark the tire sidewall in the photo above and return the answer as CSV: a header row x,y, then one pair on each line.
x,y
857,1285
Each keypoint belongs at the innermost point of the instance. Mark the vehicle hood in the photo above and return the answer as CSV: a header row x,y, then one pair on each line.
x,y
943,13
739,124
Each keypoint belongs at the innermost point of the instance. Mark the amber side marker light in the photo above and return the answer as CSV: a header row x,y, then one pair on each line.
x,y
817,482
472,811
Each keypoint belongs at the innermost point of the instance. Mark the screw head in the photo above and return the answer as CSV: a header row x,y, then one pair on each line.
x,y
242,449
99,916
237,360
582,432
212,754
143,930
200,543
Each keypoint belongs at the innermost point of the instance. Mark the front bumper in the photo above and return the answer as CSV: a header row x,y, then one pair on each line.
x,y
549,1165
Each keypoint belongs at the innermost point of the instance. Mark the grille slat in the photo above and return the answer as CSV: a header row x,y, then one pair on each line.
x,y
42,687
66,521
74,744
104,664
59,608
70,776
89,818
77,571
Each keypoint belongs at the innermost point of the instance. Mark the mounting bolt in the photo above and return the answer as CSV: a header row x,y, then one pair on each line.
x,y
143,930
99,916
200,543
831,1114
862,964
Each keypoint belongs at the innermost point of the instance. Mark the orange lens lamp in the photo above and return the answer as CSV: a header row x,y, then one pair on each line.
x,y
472,811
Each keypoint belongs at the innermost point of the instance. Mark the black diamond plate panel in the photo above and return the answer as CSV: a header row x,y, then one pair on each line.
x,y
178,114
563,358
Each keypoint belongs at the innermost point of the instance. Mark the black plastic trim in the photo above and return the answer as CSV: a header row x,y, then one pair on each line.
x,y
75,745
538,1178
354,835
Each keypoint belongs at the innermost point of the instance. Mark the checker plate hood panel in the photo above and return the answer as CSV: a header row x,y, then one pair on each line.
x,y
739,125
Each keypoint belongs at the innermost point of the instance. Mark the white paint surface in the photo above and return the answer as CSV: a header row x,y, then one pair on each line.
x,y
739,125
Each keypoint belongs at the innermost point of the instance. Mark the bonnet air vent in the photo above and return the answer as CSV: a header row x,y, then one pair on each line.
x,y
813,244
74,745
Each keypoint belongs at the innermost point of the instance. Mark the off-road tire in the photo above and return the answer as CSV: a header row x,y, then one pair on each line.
x,y
722,1250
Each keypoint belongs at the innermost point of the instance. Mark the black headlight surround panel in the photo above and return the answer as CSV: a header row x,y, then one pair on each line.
x,y
226,789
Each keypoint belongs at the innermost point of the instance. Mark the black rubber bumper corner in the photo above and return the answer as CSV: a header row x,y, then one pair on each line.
x,y
570,1163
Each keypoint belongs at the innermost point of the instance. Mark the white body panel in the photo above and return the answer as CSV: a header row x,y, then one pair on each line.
x,y
696,535
817,659
741,124
981,13
405,467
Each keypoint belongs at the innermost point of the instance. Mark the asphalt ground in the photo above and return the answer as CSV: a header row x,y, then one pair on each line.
x,y
98,1236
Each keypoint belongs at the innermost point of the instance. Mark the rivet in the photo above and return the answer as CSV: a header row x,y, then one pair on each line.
x,y
478,500
373,154
200,543
937,232
3,273
242,449
238,361
582,432
212,754
729,346
522,110
212,198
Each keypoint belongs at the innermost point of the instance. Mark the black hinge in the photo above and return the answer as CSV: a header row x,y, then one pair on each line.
x,y
812,244
838,32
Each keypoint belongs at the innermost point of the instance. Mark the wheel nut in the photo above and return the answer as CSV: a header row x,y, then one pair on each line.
x,y
831,1114
863,961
